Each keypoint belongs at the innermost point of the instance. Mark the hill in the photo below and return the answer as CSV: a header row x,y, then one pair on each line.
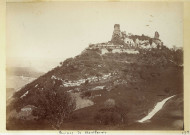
x,y
17,77
111,90
23,71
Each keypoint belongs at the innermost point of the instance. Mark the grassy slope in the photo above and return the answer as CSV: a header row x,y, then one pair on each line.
x,y
132,102
149,80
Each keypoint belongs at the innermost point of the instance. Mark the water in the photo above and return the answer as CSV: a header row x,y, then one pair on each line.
x,y
157,108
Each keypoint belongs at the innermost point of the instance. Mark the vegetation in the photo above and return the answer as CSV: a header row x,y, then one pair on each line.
x,y
117,40
52,104
142,37
55,106
135,80
86,94
109,115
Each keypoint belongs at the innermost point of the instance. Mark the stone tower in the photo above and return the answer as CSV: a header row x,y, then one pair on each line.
x,y
117,38
117,29
156,35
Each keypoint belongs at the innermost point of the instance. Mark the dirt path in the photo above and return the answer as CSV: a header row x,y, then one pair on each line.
x,y
157,108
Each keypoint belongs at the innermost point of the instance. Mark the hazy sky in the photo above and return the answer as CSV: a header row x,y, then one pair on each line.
x,y
58,30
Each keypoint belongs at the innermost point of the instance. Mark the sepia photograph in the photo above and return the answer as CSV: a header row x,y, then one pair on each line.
x,y
94,66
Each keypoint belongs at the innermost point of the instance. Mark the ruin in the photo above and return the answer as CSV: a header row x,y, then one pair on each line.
x,y
117,38
156,35
128,43
117,30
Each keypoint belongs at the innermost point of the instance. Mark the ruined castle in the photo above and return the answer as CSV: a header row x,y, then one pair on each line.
x,y
122,42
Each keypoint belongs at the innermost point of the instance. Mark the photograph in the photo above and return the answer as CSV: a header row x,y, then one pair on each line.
x,y
94,66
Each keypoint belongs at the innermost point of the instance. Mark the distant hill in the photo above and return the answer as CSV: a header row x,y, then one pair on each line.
x,y
23,71
17,77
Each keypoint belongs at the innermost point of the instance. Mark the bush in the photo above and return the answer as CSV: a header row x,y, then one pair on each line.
x,y
86,94
178,57
55,106
109,49
109,103
108,116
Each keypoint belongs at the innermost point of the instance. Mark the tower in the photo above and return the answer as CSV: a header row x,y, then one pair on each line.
x,y
117,38
156,35
117,29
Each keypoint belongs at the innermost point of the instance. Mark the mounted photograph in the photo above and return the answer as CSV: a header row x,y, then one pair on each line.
x,y
94,66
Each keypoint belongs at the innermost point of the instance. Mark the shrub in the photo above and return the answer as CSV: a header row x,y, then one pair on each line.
x,y
108,116
109,49
55,107
52,104
109,103
86,94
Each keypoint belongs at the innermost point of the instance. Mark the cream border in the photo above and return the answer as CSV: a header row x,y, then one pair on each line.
x,y
3,62
186,33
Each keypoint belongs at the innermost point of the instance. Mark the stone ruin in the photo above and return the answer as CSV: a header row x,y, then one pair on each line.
x,y
117,30
120,37
156,35
122,42
117,36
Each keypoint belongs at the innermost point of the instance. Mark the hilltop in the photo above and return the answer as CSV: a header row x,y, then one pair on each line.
x,y
112,85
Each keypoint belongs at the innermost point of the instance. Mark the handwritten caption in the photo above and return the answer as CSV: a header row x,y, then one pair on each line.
x,y
94,132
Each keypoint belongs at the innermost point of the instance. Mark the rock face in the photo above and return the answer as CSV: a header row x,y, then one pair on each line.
x,y
156,35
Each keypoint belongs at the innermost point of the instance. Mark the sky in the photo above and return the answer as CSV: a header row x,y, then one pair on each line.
x,y
42,34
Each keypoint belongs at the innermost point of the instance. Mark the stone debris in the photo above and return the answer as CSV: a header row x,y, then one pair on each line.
x,y
126,43
96,96
81,81
24,94
98,88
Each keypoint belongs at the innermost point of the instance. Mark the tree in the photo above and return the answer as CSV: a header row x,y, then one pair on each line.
x,y
109,49
55,106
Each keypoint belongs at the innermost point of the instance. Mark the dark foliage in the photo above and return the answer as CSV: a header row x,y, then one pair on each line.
x,y
54,106
86,94
109,115
142,37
